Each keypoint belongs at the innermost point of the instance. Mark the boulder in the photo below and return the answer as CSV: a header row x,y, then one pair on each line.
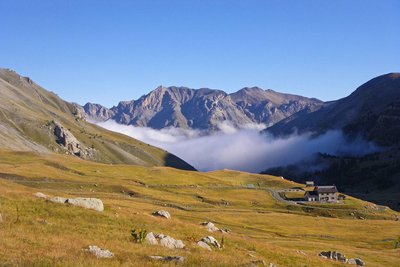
x,y
40,195
99,252
58,199
169,242
177,259
333,255
88,203
203,245
151,239
210,226
162,213
211,241
356,261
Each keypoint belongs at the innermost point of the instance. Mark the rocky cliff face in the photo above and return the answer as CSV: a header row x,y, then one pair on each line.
x,y
203,108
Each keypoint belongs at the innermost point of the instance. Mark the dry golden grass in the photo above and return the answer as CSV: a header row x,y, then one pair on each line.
x,y
261,228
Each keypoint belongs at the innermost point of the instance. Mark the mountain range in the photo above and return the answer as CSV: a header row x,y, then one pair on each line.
x,y
34,119
203,108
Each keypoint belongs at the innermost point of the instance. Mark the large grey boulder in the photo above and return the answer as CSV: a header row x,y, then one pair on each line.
x,y
333,255
169,242
88,203
177,259
162,213
99,252
211,241
151,239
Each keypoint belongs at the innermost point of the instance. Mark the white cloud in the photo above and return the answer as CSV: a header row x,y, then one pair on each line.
x,y
244,149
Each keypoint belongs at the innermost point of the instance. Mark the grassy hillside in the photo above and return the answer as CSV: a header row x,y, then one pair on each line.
x,y
27,115
35,232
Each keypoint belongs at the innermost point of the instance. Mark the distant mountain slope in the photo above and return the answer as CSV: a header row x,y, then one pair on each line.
x,y
33,119
203,108
373,111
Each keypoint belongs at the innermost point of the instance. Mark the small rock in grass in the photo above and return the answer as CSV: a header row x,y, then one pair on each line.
x,y
162,213
178,259
211,241
151,239
99,252
204,245
169,242
40,195
1,218
210,226
356,261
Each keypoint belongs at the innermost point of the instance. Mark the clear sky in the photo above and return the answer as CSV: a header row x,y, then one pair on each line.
x,y
106,51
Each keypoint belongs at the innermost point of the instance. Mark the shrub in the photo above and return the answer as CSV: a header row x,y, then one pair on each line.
x,y
138,235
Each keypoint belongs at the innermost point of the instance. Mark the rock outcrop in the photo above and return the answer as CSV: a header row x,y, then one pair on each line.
x,y
333,255
356,261
99,252
68,141
162,213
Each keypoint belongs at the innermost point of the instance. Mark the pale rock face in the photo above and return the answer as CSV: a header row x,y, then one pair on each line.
x,y
151,239
162,213
204,245
99,252
211,241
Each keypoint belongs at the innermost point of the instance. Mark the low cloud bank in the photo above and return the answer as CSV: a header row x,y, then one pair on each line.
x,y
244,149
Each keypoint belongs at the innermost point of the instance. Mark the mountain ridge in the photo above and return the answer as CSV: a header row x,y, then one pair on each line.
x,y
203,108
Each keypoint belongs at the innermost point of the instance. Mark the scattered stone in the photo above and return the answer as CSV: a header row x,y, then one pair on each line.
x,y
151,239
162,213
301,252
169,242
88,203
40,195
211,241
177,259
204,245
351,214
333,255
356,261
210,226
272,265
1,218
99,252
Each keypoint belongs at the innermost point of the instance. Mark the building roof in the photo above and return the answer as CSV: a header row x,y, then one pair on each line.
x,y
326,189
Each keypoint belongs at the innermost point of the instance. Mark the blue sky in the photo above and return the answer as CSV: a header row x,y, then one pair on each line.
x,y
107,51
